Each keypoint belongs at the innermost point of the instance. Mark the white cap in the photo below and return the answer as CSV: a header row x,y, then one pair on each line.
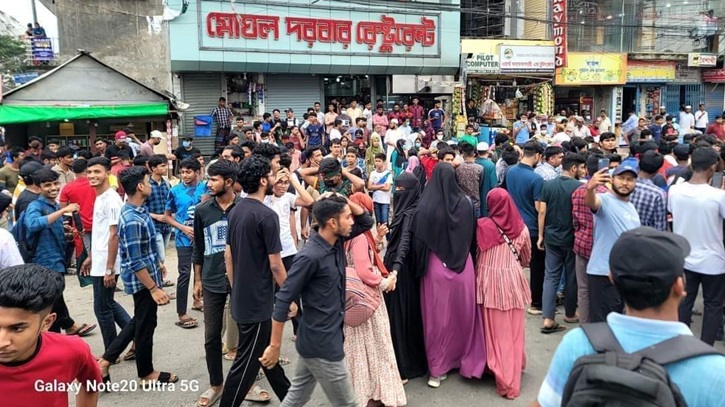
x,y
451,142
394,121
688,107
156,134
482,146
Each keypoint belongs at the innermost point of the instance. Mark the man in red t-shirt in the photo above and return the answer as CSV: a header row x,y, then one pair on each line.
x,y
38,367
717,129
80,191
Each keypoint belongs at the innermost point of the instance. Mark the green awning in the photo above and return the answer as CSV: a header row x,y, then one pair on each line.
x,y
13,114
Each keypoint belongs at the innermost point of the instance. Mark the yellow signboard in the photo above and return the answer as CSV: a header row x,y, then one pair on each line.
x,y
650,71
593,69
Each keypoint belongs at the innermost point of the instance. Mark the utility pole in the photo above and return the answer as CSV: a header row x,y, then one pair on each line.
x,y
514,19
35,13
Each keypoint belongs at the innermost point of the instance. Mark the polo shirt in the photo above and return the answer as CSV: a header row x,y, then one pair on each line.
x,y
525,186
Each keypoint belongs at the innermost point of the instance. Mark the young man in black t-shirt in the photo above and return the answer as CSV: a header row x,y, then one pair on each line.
x,y
253,263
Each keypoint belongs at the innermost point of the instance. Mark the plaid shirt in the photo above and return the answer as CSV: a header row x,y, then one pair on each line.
x,y
223,116
583,220
156,203
651,203
547,172
137,247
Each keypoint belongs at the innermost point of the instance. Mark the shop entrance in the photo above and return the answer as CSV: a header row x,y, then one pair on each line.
x,y
629,99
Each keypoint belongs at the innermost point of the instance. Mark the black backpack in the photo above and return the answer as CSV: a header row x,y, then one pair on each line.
x,y
612,377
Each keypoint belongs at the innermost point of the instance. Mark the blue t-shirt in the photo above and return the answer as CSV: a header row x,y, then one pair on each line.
x,y
701,379
314,134
266,127
436,118
524,134
524,186
182,202
656,132
613,218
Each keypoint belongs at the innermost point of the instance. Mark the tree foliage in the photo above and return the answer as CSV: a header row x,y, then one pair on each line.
x,y
12,55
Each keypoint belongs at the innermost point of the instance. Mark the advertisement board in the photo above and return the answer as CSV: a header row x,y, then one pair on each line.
x,y
524,59
593,69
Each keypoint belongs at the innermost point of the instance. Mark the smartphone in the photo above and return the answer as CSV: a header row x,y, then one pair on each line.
x,y
603,163
717,179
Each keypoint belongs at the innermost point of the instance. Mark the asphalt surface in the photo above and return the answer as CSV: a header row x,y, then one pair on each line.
x,y
181,351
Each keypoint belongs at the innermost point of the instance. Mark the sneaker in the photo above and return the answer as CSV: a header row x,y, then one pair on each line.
x,y
435,382
535,311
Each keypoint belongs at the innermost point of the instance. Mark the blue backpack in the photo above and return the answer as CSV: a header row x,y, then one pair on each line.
x,y
26,243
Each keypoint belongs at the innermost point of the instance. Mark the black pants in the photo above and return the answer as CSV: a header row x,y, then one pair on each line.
x,y
713,296
603,298
62,316
182,285
537,269
140,329
287,261
253,340
213,322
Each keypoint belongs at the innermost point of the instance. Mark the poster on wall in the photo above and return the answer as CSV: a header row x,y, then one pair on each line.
x,y
593,69
559,32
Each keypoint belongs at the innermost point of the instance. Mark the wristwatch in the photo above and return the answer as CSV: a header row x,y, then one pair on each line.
x,y
109,272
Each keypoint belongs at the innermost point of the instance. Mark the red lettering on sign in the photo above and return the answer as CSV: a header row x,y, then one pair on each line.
x,y
559,31
230,25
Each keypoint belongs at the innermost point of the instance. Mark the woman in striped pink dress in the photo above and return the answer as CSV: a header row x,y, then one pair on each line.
x,y
502,292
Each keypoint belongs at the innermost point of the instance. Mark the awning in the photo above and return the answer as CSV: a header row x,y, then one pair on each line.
x,y
12,114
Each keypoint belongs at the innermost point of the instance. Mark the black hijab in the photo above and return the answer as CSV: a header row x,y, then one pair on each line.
x,y
445,221
406,202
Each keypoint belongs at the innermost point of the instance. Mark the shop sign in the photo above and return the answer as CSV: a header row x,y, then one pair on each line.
x,y
713,75
42,49
697,59
482,64
523,59
559,30
593,69
685,74
650,71
387,34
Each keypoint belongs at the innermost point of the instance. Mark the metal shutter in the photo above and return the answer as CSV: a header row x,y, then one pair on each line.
x,y
671,97
299,92
713,97
693,95
202,92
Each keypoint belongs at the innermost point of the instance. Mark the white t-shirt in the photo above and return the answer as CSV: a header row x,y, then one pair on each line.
x,y
376,177
560,137
697,214
701,119
9,252
283,206
392,136
687,121
335,134
106,212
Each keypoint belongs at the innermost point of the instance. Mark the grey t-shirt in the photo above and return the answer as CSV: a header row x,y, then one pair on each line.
x,y
613,218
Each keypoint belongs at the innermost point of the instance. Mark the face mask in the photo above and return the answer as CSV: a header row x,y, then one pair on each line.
x,y
417,145
330,183
186,144
439,137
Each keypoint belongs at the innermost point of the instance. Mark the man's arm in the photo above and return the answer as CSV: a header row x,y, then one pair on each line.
x,y
197,254
278,271
304,198
356,181
590,197
541,209
133,232
112,246
35,221
228,264
169,219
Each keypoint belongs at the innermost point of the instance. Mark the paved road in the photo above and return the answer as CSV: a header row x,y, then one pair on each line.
x,y
182,352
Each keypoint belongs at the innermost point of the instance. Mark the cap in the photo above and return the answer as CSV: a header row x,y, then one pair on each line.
x,y
156,134
688,107
451,142
482,146
622,168
289,109
5,201
120,135
652,273
394,121
29,168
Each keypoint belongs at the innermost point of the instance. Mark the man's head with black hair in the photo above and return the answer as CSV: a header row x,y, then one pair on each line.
x,y
123,155
248,147
255,173
48,157
140,160
27,295
158,163
79,166
98,171
574,164
222,175
135,180
468,150
592,164
578,145
47,180
333,214
189,170
446,154
651,162
314,154
232,153
271,152
554,155
704,159
285,160
83,155
28,168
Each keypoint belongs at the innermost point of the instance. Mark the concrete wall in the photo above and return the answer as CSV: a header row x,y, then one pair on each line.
x,y
117,33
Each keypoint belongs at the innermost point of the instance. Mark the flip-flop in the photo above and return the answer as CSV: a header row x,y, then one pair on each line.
x,y
187,323
211,396
83,330
258,394
172,296
130,355
283,361
229,356
200,309
168,283
260,376
552,329
574,320
164,377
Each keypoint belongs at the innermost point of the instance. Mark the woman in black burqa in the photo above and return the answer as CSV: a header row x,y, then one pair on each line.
x,y
406,323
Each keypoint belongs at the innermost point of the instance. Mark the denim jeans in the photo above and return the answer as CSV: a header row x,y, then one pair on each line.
x,y
108,312
162,242
381,212
558,258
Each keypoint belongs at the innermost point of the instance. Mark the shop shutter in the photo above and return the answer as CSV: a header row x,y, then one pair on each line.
x,y
202,92
693,95
713,97
671,96
299,92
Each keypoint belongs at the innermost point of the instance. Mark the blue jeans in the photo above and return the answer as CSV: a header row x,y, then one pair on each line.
x,y
558,258
162,242
381,212
108,312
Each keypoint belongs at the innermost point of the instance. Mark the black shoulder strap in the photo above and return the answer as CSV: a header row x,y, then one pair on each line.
x,y
602,338
677,349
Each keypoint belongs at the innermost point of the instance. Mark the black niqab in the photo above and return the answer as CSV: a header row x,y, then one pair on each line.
x,y
444,220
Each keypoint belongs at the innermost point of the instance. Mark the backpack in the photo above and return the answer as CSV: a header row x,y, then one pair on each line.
x,y
361,300
612,377
25,242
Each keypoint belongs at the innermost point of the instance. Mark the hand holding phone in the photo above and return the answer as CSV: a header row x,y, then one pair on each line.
x,y
603,163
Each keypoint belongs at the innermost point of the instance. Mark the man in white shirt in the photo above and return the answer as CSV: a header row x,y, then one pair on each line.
x,y
605,125
9,252
336,131
580,130
701,119
391,139
687,120
697,214
368,115
104,265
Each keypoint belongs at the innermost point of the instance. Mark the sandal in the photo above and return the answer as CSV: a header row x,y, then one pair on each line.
x,y
258,394
572,320
552,329
169,283
211,396
283,361
130,355
260,376
187,323
200,308
172,296
163,378
83,330
230,356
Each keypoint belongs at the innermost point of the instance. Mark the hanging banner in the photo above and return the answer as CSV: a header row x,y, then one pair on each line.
x,y
593,69
523,59
42,49
697,59
650,71
559,30
713,75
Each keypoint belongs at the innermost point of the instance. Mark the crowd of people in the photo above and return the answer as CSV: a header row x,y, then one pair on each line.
x,y
395,251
